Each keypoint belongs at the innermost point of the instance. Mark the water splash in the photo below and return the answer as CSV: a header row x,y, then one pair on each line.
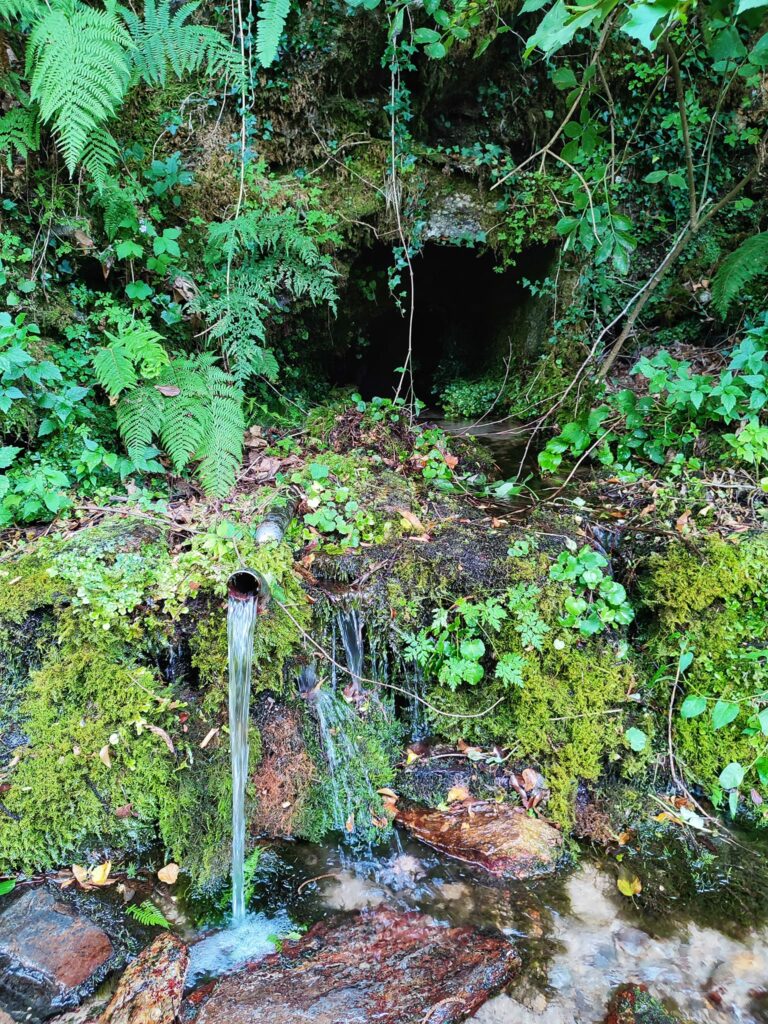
x,y
241,621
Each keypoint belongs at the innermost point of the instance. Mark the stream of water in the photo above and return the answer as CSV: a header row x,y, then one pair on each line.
x,y
241,621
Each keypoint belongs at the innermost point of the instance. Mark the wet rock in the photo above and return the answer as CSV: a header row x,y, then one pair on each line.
x,y
377,966
502,839
50,956
633,1005
151,988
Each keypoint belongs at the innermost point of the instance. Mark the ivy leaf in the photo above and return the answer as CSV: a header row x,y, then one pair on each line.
x,y
693,706
685,661
564,78
636,738
724,713
426,35
732,776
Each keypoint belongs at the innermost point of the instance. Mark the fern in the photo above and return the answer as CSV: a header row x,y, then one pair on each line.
x,y
195,409
27,10
162,39
137,351
19,133
738,269
79,68
272,18
271,252
118,209
147,913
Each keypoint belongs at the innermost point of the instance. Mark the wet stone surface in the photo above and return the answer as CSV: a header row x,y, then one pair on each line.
x,y
502,839
50,956
379,966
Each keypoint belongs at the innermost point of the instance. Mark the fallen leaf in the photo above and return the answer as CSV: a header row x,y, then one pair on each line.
x,y
450,460
83,240
100,874
629,886
125,811
208,737
411,756
169,390
681,524
387,792
457,793
411,519
169,874
80,873
104,755
350,823
162,734
531,779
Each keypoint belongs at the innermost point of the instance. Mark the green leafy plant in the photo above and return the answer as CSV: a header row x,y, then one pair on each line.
x,y
738,270
190,404
271,22
597,601
147,914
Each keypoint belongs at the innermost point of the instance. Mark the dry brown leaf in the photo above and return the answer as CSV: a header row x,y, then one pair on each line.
x,y
411,519
162,734
104,755
208,737
169,874
169,390
350,823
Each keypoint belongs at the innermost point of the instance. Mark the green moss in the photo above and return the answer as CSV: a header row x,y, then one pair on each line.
x,y
89,714
25,585
561,720
714,600
377,739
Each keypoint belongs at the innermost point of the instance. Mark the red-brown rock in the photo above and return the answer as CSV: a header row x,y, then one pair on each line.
x,y
49,955
151,988
372,967
498,837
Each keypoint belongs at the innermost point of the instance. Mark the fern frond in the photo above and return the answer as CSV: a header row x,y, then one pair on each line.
x,y
78,66
164,40
99,155
139,418
28,10
114,370
222,450
272,18
117,208
738,269
19,133
147,913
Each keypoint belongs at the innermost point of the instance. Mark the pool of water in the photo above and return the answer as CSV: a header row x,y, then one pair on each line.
x,y
578,937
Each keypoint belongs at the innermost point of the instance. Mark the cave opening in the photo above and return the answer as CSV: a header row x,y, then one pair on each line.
x,y
469,317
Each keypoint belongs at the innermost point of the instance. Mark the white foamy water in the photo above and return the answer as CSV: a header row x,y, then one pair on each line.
x,y
251,939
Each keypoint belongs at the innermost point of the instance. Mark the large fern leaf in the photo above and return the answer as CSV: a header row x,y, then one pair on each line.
x,y
738,269
79,67
272,18
28,10
164,40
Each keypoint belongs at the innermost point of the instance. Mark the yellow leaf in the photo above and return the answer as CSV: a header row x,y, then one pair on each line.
x,y
456,793
80,873
629,886
100,874
169,873
411,756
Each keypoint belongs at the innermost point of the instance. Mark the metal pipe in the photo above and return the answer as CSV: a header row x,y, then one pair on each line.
x,y
277,521
247,585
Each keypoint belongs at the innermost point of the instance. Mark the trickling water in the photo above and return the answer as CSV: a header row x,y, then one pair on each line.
x,y
351,628
352,793
241,620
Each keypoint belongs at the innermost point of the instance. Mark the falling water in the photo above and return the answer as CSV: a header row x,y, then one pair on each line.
x,y
241,619
352,792
350,624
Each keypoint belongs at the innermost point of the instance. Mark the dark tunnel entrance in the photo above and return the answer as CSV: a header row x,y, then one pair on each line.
x,y
468,317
